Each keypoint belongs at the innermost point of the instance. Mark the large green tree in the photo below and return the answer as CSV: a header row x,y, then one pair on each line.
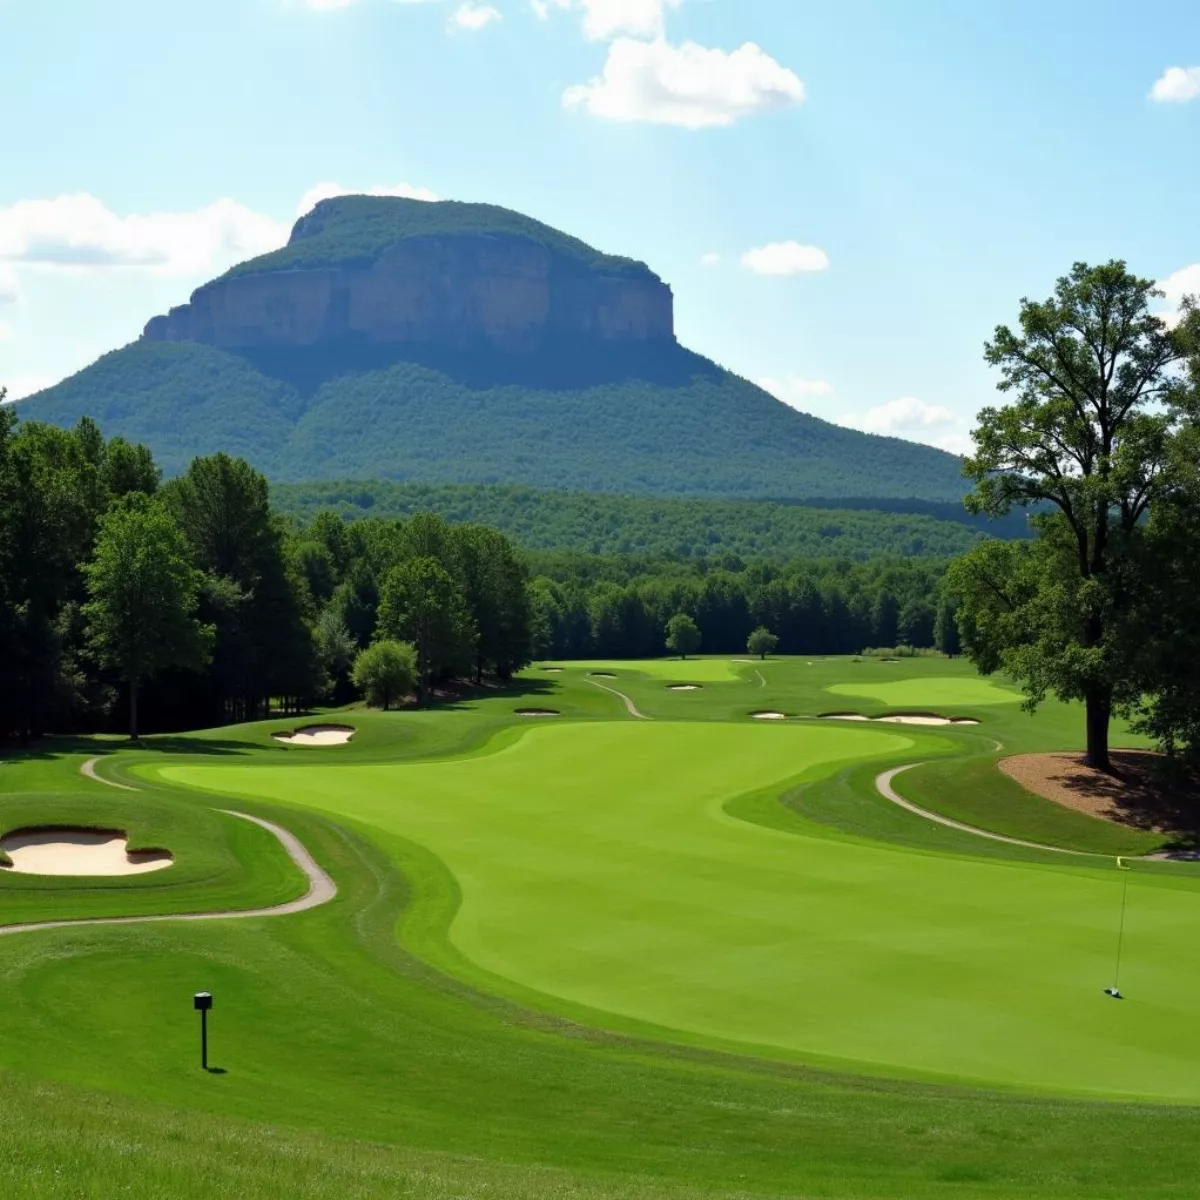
x,y
683,635
1086,441
143,593
386,672
254,593
421,603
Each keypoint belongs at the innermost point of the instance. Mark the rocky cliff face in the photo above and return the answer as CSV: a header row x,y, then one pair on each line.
x,y
503,292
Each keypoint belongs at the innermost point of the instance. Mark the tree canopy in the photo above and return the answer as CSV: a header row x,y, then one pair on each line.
x,y
1091,433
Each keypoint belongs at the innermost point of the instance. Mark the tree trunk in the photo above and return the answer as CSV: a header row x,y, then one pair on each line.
x,y
1099,714
133,713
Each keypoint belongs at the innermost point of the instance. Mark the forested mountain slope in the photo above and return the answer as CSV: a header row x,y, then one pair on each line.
x,y
448,343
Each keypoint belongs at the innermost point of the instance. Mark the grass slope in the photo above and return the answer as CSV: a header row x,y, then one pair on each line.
x,y
358,1066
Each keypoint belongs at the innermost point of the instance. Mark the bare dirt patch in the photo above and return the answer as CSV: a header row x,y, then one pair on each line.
x,y
1135,795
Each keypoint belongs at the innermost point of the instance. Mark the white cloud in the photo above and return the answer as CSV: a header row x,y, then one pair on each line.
x,y
915,421
327,5
1177,84
785,258
710,260
1184,282
474,16
5,331
327,191
688,85
10,286
794,391
542,8
80,232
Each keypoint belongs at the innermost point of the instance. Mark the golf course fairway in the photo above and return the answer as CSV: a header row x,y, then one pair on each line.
x,y
600,871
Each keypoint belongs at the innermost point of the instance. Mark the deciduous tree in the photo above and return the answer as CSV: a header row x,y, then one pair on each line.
x,y
1086,441
143,592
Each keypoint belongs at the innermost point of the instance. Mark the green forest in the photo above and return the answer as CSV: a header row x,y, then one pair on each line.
x,y
355,230
599,523
667,425
129,602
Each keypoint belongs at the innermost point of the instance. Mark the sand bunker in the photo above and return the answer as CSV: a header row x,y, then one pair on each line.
x,y
551,670
901,719
537,712
602,675
78,852
684,687
769,716
317,735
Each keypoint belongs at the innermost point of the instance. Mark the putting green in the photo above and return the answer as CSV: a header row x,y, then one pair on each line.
x,y
671,670
598,864
929,693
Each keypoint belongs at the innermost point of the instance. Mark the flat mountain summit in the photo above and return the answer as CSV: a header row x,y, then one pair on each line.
x,y
463,343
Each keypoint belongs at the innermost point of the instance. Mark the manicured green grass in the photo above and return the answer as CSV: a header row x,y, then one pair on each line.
x,y
221,862
926,692
597,866
668,670
555,949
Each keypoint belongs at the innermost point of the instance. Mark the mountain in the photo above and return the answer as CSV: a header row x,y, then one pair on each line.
x,y
462,343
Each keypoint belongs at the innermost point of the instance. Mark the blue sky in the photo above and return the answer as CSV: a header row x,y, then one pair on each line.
x,y
846,197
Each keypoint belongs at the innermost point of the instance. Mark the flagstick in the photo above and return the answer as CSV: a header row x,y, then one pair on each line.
x,y
1115,990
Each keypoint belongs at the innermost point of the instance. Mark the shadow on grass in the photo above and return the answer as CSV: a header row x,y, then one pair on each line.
x,y
51,748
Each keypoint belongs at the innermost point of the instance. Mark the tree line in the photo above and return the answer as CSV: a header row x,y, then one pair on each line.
x,y
194,604
129,602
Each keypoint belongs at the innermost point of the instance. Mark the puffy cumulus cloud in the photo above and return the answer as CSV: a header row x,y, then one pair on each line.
x,y
327,191
472,16
794,391
81,232
543,8
915,421
1177,85
785,258
1184,282
688,85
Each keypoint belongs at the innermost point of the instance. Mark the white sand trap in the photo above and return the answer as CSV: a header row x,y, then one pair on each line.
x,y
537,712
684,687
602,675
78,852
551,670
769,716
901,719
317,735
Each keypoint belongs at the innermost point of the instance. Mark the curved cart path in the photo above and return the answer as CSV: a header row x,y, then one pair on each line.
x,y
883,785
321,889
89,769
634,711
